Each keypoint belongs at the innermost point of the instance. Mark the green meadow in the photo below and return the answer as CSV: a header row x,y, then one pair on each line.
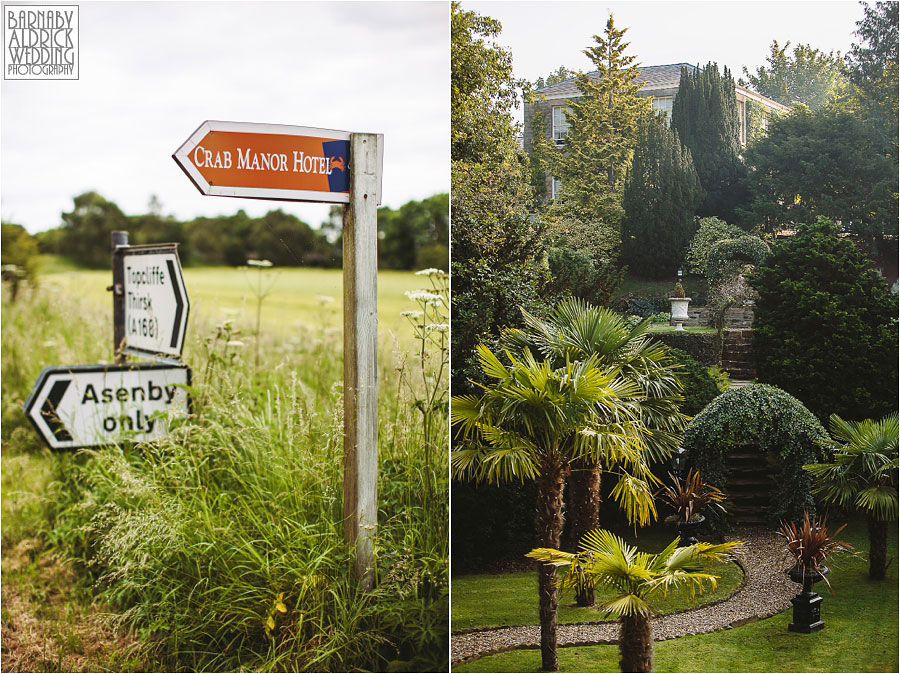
x,y
221,546
294,297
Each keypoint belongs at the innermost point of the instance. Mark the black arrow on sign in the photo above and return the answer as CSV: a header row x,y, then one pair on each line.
x,y
179,308
48,410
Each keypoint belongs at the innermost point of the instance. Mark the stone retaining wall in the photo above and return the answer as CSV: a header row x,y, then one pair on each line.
x,y
735,317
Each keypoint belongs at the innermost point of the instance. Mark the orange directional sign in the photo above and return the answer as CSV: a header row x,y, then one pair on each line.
x,y
268,161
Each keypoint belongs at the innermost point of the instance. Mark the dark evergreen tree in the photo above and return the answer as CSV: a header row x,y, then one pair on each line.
x,y
705,114
825,328
661,194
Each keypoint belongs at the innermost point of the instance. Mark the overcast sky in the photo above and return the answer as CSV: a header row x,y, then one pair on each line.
x,y
152,72
544,36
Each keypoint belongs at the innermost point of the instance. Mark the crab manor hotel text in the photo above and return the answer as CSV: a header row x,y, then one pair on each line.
x,y
39,43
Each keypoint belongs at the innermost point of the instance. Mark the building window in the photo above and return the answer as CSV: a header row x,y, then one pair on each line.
x,y
663,104
554,187
560,124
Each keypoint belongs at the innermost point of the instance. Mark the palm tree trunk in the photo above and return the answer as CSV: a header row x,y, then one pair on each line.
x,y
549,520
878,535
636,644
584,504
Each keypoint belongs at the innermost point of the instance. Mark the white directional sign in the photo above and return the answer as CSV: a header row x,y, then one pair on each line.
x,y
155,299
92,405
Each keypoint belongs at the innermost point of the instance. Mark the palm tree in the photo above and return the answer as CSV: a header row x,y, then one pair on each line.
x,y
530,422
575,330
864,474
605,559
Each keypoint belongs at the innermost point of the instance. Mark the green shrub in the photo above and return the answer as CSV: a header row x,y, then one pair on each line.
x,y
727,257
699,346
699,387
571,272
709,231
723,381
825,326
772,422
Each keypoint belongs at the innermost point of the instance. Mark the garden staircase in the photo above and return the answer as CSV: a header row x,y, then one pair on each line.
x,y
737,354
749,486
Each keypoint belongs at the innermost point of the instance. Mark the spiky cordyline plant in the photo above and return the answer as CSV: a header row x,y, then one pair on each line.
x,y
863,475
605,559
690,497
810,544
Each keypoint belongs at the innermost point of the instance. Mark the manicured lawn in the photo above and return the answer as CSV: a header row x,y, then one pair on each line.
x,y
860,634
493,600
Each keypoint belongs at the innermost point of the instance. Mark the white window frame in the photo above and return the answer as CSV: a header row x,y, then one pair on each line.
x,y
667,111
554,187
559,129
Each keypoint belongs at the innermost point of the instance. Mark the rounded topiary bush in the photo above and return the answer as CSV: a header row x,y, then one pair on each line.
x,y
774,422
726,258
699,387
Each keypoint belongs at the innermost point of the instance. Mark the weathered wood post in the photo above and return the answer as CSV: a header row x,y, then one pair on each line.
x,y
360,239
118,238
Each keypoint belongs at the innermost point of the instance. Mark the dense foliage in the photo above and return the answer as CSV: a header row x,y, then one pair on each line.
x,y
873,70
826,326
496,247
824,163
709,231
661,194
770,421
807,75
705,115
699,386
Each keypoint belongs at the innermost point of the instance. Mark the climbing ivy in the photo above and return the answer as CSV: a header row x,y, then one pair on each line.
x,y
775,423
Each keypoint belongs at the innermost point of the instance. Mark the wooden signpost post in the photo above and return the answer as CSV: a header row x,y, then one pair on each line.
x,y
295,163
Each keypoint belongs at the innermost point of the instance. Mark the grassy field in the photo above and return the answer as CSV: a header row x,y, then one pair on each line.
x,y
220,547
296,297
860,635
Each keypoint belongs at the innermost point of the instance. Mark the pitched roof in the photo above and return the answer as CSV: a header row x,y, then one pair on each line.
x,y
650,77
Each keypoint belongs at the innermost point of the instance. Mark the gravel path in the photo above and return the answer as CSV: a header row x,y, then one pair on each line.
x,y
766,590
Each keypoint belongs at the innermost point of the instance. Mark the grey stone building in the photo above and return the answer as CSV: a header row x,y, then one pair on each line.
x,y
658,83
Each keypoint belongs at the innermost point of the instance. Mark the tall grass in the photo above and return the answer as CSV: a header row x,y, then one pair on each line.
x,y
223,543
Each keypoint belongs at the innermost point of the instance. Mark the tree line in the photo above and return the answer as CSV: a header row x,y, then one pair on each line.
x,y
413,236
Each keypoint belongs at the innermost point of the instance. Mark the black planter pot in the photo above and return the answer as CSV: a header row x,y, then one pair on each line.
x,y
807,604
687,531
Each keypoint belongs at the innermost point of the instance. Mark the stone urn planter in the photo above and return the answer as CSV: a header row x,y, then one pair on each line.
x,y
807,604
687,531
679,311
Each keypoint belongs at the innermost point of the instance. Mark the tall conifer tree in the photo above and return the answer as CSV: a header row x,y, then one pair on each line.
x,y
602,134
705,115
661,194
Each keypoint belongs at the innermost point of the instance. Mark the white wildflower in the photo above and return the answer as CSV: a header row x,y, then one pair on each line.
x,y
324,299
412,314
421,295
437,327
259,263
235,342
430,272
